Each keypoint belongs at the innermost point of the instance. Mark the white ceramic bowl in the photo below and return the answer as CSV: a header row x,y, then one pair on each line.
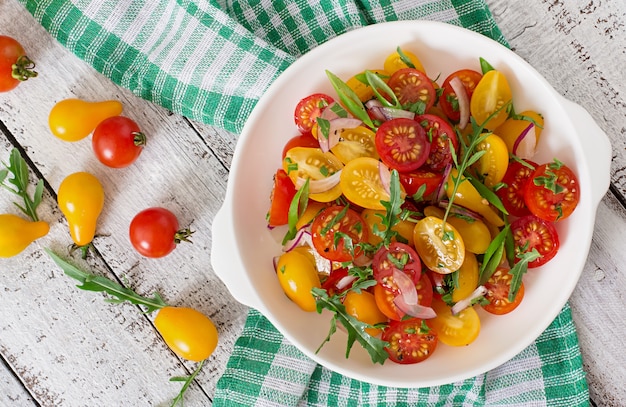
x,y
243,246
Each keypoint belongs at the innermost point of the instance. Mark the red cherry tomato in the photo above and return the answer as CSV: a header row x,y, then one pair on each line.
x,y
15,66
402,144
154,232
412,86
117,141
282,195
412,181
333,227
309,109
498,287
389,258
514,186
448,100
410,341
440,135
553,191
530,232
301,140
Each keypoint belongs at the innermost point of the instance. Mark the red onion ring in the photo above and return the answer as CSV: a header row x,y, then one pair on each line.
x,y
385,177
525,144
406,301
317,186
463,99
466,302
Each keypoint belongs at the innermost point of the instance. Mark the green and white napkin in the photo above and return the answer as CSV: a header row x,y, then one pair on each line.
x,y
211,60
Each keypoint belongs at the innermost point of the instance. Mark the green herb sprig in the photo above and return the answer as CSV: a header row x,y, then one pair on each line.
x,y
187,380
18,184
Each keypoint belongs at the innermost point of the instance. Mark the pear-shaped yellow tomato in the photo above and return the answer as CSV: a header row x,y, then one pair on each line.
x,y
363,307
75,119
17,233
490,96
297,275
492,165
187,332
468,278
81,198
513,127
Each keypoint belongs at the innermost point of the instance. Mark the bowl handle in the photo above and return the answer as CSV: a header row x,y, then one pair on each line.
x,y
596,146
226,260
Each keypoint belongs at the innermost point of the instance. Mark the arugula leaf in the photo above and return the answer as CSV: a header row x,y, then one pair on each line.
x,y
519,269
405,58
18,184
485,66
186,383
392,208
493,255
355,328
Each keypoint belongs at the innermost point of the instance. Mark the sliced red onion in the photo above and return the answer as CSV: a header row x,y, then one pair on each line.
x,y
303,237
414,310
344,282
525,145
374,106
317,186
362,260
329,113
441,190
406,301
459,210
385,176
337,126
463,99
466,302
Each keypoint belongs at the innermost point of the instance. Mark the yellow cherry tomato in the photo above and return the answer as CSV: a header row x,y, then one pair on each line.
x,y
363,90
441,251
492,165
468,197
355,143
17,233
454,330
81,199
363,307
474,232
491,94
513,127
312,163
75,119
394,62
297,275
361,184
468,278
374,219
312,209
187,332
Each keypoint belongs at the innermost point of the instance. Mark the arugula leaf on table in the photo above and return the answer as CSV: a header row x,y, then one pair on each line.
x,y
186,383
19,182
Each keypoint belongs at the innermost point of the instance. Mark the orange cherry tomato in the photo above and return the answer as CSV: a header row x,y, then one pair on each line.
x,y
498,287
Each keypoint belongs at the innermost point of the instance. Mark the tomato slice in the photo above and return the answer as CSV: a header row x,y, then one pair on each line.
x,y
412,86
490,96
336,233
492,165
314,164
454,330
409,341
553,191
309,109
361,183
440,135
498,287
448,100
442,253
399,256
402,144
514,186
385,296
413,181
282,195
355,143
530,232
301,140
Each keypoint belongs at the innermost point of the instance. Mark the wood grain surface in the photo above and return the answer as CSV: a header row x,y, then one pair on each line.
x,y
60,346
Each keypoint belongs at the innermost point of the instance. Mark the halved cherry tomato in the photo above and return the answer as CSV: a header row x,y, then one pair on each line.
x,y
385,297
467,279
355,143
301,140
553,191
336,233
441,136
360,182
362,306
402,144
412,86
491,95
441,251
513,127
498,287
474,232
309,109
400,257
314,164
454,330
530,232
409,341
394,62
514,186
360,87
282,195
297,275
492,165
448,100
413,181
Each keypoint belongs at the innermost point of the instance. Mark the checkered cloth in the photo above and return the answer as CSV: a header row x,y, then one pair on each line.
x,y
211,60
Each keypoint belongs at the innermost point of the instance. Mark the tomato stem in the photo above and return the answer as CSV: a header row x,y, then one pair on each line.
x,y
22,69
139,139
183,235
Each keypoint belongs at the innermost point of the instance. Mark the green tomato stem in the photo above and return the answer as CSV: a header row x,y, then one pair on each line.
x,y
22,69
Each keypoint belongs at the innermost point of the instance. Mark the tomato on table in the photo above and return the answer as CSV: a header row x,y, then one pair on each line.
x,y
410,341
441,248
309,109
117,141
553,191
187,332
448,100
282,195
454,330
412,86
441,137
336,233
361,184
514,187
530,232
498,288
402,144
15,66
155,232
490,96
301,140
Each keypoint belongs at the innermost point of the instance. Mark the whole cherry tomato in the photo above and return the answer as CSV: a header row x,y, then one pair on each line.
x,y
297,275
187,332
154,232
17,233
118,141
81,199
75,119
15,66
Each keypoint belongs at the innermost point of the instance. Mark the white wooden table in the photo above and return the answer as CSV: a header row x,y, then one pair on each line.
x,y
60,346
